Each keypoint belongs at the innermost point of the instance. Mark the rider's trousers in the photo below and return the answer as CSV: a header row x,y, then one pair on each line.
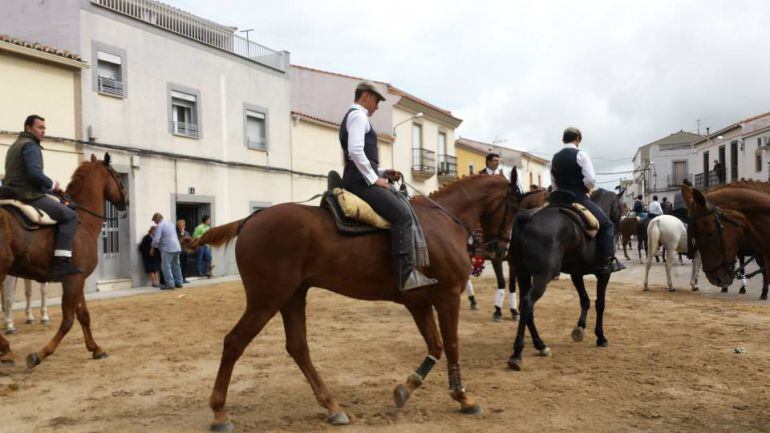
x,y
68,224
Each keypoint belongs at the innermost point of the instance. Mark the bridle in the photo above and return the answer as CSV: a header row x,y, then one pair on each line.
x,y
65,197
728,265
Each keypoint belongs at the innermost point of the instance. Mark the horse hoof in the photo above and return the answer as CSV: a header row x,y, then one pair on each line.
x,y
544,352
226,427
46,322
339,418
33,360
578,333
514,364
497,317
695,289
646,289
742,291
10,331
602,343
671,289
763,298
30,321
474,307
724,289
474,409
100,355
400,395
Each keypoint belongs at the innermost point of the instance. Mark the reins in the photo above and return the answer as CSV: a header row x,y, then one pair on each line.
x,y
68,199
718,217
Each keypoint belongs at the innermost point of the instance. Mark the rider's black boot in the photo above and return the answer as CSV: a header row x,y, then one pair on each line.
x,y
62,267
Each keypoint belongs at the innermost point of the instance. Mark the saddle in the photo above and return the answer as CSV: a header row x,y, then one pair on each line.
x,y
351,215
30,217
566,203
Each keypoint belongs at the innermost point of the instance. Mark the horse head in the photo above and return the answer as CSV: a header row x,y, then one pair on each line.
x,y
497,219
114,192
717,233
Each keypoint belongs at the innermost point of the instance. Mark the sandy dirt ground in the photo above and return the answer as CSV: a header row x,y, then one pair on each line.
x,y
671,366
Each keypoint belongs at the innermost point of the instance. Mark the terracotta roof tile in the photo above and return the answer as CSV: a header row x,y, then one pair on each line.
x,y
335,124
40,47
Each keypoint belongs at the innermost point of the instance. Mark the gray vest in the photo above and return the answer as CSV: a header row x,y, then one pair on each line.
x,y
16,177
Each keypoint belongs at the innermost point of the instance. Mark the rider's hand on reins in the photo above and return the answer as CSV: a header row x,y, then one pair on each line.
x,y
382,183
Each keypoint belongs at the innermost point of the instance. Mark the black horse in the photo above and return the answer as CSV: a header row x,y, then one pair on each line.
x,y
546,243
746,250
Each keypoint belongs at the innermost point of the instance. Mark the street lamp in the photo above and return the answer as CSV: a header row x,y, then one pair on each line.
x,y
416,116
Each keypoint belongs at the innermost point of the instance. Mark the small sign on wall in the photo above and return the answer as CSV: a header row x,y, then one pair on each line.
x,y
191,190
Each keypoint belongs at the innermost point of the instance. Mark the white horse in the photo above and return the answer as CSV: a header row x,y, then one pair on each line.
x,y
670,232
8,294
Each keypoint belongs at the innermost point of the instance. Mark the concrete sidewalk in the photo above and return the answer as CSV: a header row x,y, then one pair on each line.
x,y
134,291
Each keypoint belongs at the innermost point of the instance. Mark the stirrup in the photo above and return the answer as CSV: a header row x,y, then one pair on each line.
x,y
416,279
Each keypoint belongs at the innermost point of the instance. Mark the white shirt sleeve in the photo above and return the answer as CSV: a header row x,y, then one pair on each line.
x,y
358,126
589,174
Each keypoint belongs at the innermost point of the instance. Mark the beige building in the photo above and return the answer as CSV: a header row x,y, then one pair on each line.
x,y
414,136
45,81
531,169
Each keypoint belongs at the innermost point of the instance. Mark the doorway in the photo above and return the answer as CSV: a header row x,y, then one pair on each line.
x,y
114,242
192,214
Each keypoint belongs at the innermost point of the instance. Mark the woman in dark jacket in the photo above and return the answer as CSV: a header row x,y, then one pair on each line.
x,y
151,261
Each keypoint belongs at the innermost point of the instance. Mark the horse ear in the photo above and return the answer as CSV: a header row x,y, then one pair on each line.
x,y
699,198
514,176
93,158
107,159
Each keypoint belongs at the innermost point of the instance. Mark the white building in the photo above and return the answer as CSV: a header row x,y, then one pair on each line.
x,y
197,119
661,166
741,149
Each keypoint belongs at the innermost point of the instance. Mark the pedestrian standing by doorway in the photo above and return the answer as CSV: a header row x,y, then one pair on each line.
x,y
167,242
203,254
182,234
151,261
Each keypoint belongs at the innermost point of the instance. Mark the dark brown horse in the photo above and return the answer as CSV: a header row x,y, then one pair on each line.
x,y
720,220
284,250
627,229
28,254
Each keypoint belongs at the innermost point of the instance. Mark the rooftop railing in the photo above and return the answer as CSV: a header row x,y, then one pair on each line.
x,y
198,29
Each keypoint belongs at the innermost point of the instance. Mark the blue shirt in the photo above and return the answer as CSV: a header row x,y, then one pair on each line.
x,y
166,239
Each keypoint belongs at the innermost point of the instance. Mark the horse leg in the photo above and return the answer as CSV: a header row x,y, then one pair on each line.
x,y
540,346
696,265
601,290
250,324
761,260
471,295
585,304
9,287
448,316
512,292
667,262
647,272
426,323
497,266
44,319
525,296
68,305
28,307
85,323
294,324
624,242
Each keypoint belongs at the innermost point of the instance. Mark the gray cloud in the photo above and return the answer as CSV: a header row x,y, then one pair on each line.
x,y
626,73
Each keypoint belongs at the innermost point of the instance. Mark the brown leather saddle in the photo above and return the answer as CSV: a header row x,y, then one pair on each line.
x,y
345,224
566,203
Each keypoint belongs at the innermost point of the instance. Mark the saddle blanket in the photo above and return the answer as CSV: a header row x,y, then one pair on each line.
x,y
33,214
355,208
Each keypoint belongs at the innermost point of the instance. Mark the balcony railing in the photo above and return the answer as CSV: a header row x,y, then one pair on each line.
x,y
198,29
707,180
423,162
186,129
676,181
447,165
109,86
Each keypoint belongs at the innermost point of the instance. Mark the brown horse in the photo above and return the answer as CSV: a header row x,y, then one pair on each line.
x,y
627,229
28,254
284,250
722,218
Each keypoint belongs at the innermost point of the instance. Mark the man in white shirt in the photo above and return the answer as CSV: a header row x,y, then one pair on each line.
x,y
654,209
363,178
573,171
492,164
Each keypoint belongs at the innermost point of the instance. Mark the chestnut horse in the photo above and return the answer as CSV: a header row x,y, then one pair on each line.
x,y
284,250
28,254
720,220
627,229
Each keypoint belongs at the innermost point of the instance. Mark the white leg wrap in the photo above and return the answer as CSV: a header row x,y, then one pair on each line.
x,y
499,296
512,300
469,289
62,253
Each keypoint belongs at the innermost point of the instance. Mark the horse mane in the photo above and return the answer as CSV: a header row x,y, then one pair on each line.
x,y
79,177
445,189
754,185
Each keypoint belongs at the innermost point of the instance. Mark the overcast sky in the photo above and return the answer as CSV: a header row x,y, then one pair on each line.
x,y
624,72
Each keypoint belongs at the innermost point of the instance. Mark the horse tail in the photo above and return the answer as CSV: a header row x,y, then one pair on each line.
x,y
653,238
217,235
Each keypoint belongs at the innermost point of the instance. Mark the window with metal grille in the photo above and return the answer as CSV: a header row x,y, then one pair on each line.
x,y
184,114
416,136
109,79
256,130
110,232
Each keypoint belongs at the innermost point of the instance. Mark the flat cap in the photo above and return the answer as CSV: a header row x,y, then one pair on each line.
x,y
371,88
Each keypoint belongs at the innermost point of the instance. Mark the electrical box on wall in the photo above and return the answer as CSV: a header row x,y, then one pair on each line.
x,y
135,160
191,191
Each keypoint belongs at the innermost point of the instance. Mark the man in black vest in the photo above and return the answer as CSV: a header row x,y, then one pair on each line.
x,y
573,171
363,178
24,176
